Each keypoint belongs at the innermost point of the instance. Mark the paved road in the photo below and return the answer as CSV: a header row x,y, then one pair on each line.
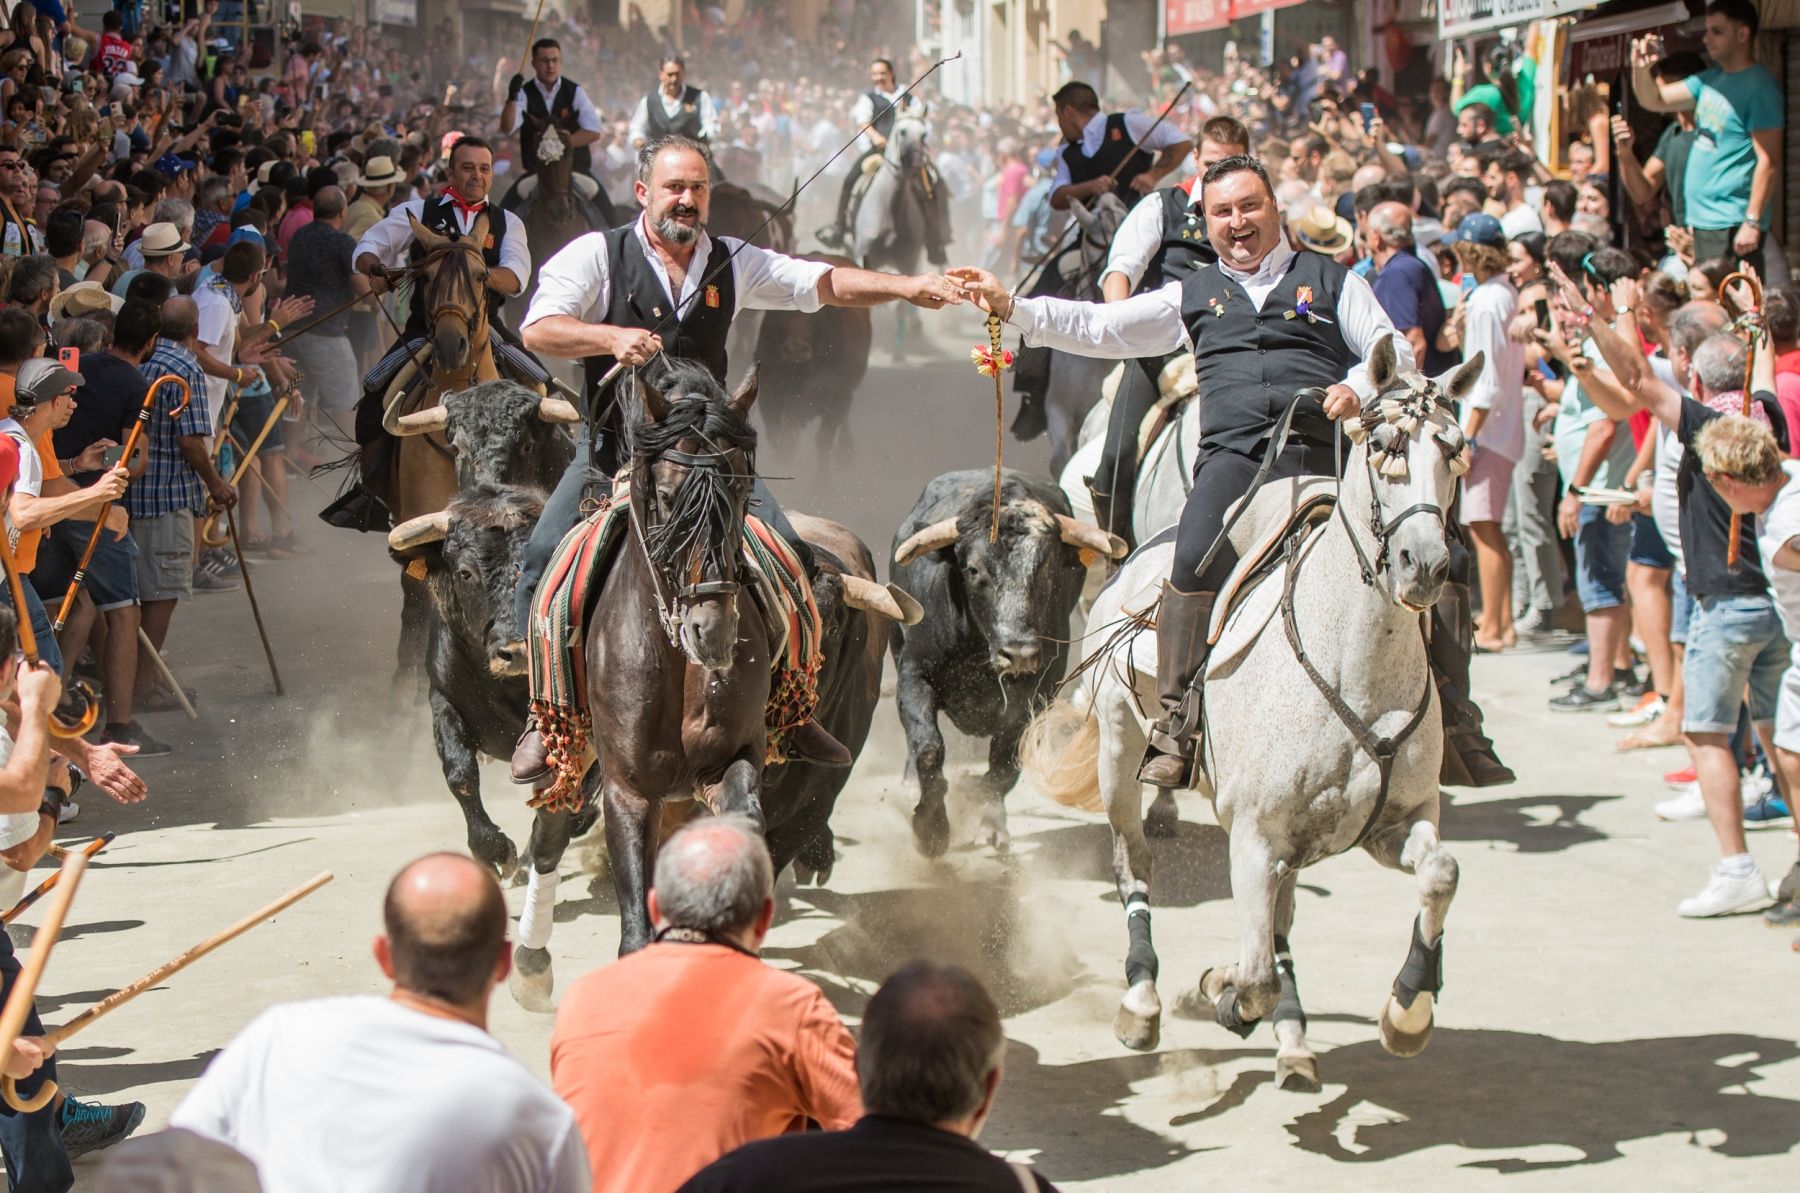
x,y
1587,1039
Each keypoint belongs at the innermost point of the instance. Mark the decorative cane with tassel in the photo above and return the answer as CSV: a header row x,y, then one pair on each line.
x,y
990,360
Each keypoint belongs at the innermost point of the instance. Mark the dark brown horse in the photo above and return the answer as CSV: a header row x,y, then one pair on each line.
x,y
678,660
553,202
755,216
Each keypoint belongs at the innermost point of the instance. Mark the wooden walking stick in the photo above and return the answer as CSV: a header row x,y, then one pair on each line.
x,y
18,1003
1752,320
28,647
131,444
49,884
187,706
237,549
209,533
9,1089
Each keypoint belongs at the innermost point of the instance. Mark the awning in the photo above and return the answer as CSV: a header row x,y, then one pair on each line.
x,y
1460,18
1195,16
1636,21
1245,8
1601,46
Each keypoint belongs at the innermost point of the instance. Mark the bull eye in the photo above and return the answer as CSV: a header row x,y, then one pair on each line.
x,y
467,574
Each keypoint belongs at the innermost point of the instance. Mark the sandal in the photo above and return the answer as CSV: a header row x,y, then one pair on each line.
x,y
285,547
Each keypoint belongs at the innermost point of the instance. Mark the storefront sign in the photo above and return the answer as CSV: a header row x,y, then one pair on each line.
x,y
1195,16
1459,18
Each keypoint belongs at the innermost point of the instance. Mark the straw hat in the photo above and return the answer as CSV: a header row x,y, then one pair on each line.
x,y
1321,230
163,240
378,172
84,298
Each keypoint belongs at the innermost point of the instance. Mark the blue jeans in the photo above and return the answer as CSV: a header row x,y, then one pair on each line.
x,y
1601,550
40,626
1681,608
1733,642
36,1160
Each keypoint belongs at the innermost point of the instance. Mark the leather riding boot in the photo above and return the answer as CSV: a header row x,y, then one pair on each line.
x,y
1181,650
1469,757
812,742
530,757
1112,511
361,507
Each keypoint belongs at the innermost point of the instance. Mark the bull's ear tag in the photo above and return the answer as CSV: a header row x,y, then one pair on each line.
x,y
416,568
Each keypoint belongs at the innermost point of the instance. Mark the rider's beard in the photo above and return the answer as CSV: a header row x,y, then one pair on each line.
x,y
678,233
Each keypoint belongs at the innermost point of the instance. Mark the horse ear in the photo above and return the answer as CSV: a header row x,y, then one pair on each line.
x,y
744,396
422,234
478,230
1383,366
1457,384
656,407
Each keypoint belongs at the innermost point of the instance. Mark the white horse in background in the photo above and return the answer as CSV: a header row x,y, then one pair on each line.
x,y
1331,640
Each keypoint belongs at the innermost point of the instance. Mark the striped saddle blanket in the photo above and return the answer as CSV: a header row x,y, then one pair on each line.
x,y
565,598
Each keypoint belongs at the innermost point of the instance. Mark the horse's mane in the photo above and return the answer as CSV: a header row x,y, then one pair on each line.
x,y
698,408
706,514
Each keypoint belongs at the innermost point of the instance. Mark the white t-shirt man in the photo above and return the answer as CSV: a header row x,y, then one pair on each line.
x,y
30,482
1775,529
218,331
363,1095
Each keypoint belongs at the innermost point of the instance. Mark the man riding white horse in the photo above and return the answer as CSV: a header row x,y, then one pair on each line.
x,y
1162,240
673,108
390,245
878,108
1129,152
658,285
550,107
1263,322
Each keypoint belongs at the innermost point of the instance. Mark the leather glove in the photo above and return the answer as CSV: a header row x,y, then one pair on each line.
x,y
514,85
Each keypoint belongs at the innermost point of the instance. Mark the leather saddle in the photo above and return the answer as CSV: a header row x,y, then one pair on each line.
x,y
1248,598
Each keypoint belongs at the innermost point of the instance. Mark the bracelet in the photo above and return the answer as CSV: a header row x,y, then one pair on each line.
x,y
237,376
276,326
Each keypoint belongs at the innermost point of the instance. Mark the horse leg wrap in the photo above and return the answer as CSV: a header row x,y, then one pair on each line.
x,y
1287,1007
540,909
1140,955
1225,1014
1423,972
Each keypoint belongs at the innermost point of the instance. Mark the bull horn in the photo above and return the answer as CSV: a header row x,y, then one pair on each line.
x,y
934,537
889,600
1077,533
558,410
417,532
422,422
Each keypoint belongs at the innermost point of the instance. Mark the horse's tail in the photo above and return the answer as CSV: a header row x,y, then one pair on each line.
x,y
1060,751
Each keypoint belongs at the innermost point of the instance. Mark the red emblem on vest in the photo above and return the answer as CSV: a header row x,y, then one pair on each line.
x,y
712,297
1116,134
489,243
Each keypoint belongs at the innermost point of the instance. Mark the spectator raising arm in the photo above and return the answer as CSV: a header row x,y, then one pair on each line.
x,y
1657,95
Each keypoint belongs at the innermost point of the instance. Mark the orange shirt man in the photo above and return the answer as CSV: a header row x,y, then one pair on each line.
x,y
679,1053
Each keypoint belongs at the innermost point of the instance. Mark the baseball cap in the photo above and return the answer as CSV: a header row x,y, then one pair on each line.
x,y
169,163
41,379
1477,228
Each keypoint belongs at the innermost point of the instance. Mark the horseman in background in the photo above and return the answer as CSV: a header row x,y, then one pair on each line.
x,y
1162,240
655,286
550,106
391,245
1098,143
878,108
673,108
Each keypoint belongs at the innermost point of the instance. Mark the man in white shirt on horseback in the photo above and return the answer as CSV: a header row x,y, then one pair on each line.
x,y
549,104
877,108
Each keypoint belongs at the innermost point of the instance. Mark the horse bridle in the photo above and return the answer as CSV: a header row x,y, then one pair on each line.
x,y
1381,531
721,463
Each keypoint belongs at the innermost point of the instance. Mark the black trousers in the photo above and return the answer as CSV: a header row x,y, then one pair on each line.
x,y
36,1160
1222,476
1117,471
581,480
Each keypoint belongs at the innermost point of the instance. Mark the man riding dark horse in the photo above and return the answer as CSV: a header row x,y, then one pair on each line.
x,y
673,109
661,285
391,245
549,104
1124,151
1162,240
1268,326
878,108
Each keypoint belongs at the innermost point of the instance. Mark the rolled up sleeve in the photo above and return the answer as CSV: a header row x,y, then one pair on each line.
x,y
573,282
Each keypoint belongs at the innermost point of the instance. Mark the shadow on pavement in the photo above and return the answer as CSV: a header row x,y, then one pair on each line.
x,y
1532,823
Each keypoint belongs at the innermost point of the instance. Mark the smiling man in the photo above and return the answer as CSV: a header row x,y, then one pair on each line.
x,y
1263,322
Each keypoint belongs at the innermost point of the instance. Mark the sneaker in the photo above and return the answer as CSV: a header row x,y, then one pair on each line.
x,y
1585,699
133,734
1574,675
1726,894
1783,915
206,580
1534,625
1771,811
1788,889
91,1127
220,561
1634,687
1686,806
1647,709
1680,778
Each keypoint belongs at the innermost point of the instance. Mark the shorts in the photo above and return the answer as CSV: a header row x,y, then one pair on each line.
x,y
1647,546
165,561
1485,488
1601,548
328,373
112,574
1734,642
1681,608
253,410
1787,706
48,650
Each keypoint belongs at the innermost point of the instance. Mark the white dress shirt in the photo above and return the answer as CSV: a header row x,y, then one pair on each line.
x,y
864,112
1500,390
640,117
586,114
1151,137
392,235
1150,324
577,281
1139,236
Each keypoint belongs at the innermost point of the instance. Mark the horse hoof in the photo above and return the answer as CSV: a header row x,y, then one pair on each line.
x,y
1298,1074
532,979
1138,1023
1406,1030
803,874
507,869
931,832
1196,1003
1162,820
994,833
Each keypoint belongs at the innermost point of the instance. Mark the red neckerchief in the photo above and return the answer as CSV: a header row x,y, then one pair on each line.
x,y
463,206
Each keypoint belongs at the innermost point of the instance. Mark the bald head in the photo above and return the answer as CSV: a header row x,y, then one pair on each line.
x,y
1392,222
180,319
446,928
329,203
714,875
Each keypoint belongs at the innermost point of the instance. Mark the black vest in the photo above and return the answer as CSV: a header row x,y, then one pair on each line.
x,y
884,110
1250,363
1116,146
1184,247
439,215
561,113
686,123
635,298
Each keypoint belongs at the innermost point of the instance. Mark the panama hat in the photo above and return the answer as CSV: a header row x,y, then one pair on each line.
x,y
163,240
378,171
1321,230
84,298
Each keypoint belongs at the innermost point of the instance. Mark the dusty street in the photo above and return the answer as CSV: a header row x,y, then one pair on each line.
x,y
1587,1037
